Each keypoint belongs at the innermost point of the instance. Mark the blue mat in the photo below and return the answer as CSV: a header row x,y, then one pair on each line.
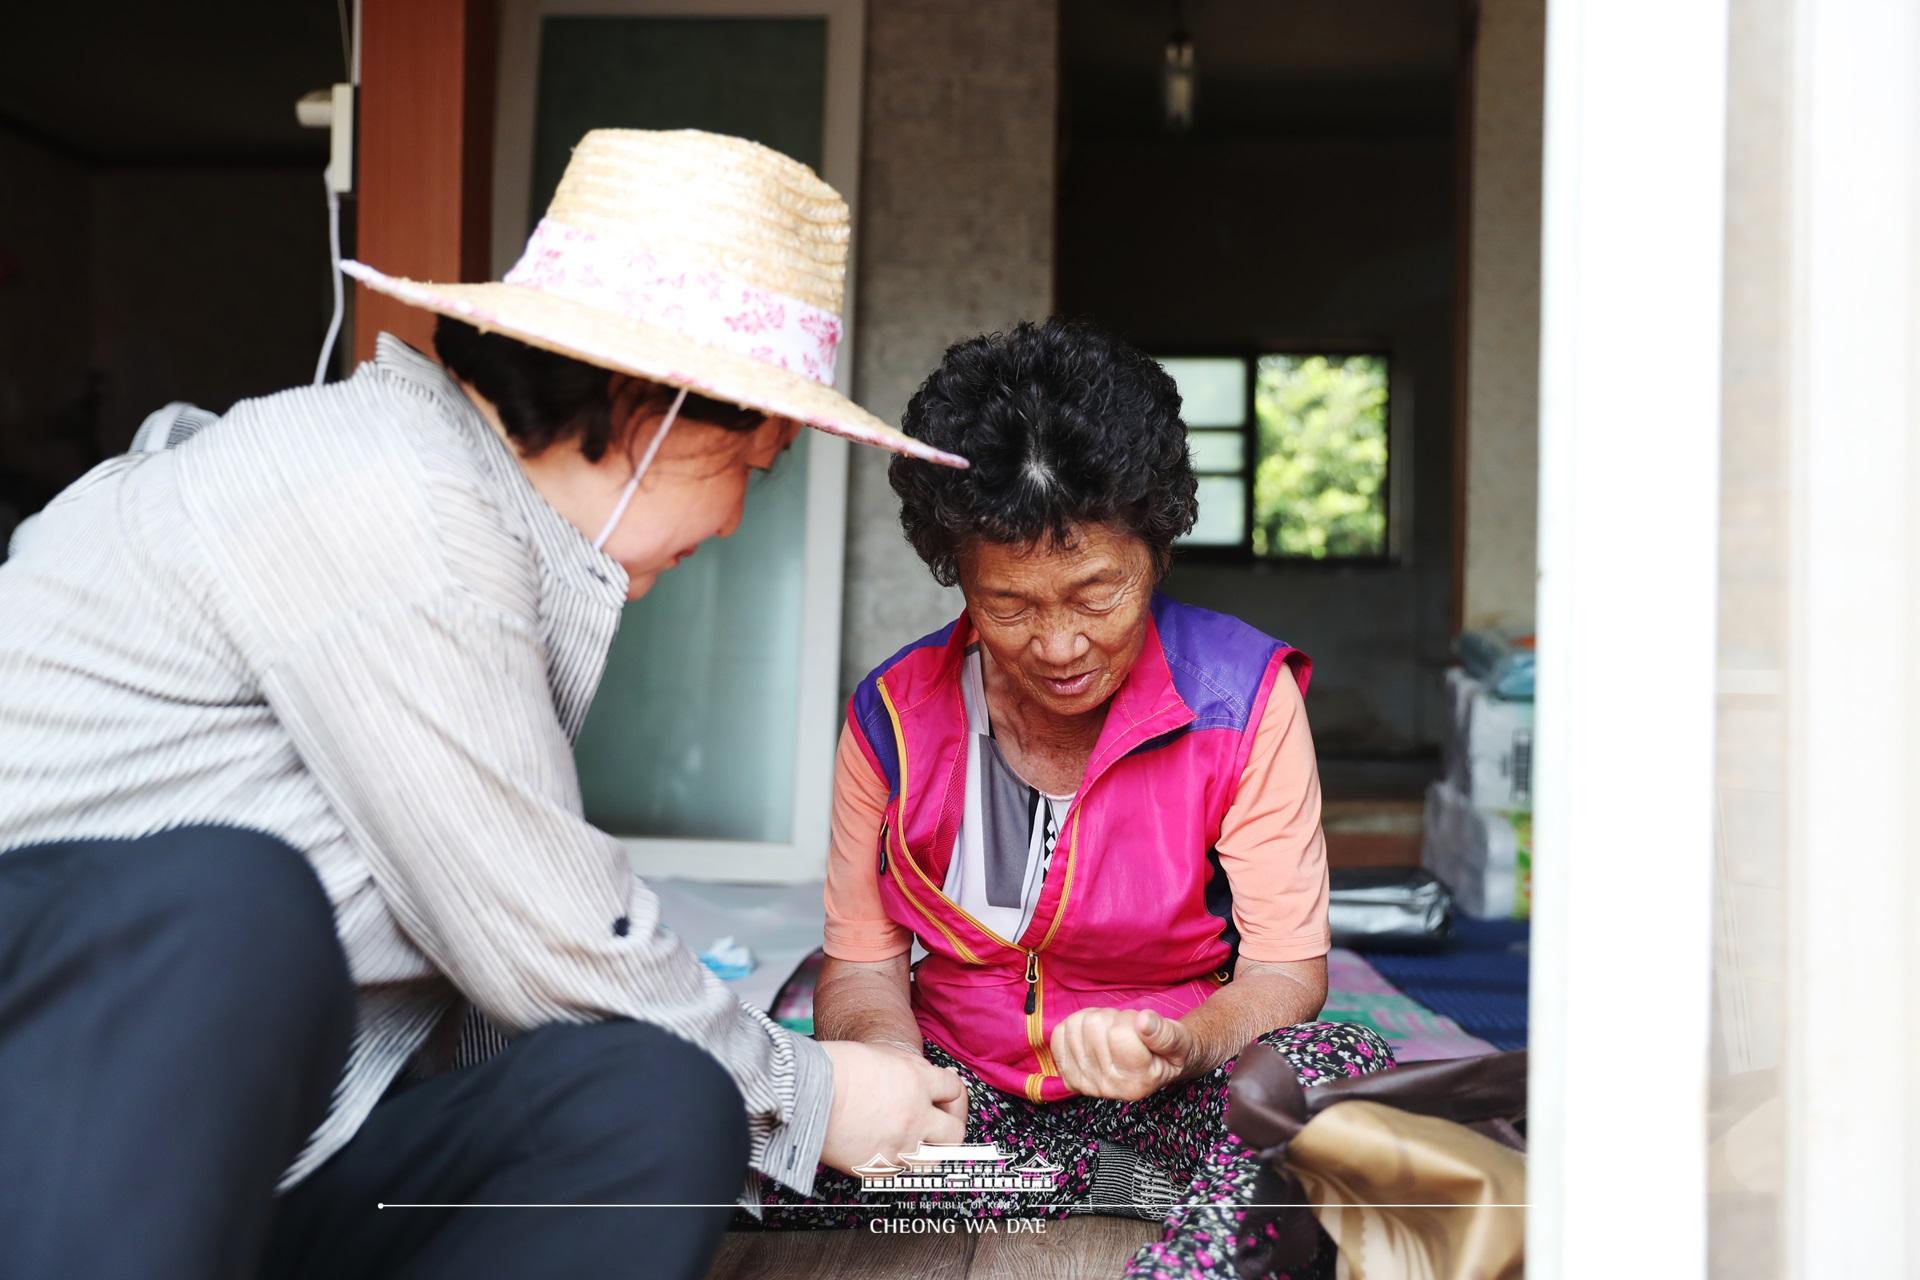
x,y
1480,981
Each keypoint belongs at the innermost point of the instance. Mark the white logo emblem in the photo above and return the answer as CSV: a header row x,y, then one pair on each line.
x,y
957,1166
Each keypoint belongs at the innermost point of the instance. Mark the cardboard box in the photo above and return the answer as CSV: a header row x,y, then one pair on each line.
x,y
1486,858
1487,750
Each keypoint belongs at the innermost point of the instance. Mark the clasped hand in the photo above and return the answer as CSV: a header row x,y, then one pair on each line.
x,y
1124,1054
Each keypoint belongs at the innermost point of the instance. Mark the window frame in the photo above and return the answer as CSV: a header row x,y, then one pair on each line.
x,y
1243,554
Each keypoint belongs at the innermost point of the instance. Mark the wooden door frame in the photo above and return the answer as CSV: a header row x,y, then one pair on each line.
x,y
425,171
1469,26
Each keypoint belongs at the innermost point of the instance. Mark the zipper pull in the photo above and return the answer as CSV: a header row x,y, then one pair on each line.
x,y
1033,977
883,846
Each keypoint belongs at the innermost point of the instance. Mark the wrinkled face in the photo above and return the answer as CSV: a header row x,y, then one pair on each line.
x,y
1065,623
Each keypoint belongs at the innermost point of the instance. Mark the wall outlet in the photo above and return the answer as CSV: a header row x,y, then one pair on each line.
x,y
340,163
332,109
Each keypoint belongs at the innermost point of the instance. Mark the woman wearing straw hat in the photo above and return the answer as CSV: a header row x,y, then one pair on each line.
x,y
287,792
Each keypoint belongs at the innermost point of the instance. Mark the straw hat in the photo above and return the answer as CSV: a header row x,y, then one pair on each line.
x,y
691,259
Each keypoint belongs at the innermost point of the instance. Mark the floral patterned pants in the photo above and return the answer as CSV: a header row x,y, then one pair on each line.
x,y
1181,1130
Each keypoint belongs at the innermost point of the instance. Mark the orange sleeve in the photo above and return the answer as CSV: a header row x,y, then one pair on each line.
x,y
1271,846
858,927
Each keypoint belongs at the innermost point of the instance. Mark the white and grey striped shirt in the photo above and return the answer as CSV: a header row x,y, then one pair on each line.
x,y
343,616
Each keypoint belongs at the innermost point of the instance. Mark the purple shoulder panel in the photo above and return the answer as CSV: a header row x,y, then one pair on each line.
x,y
1218,662
869,713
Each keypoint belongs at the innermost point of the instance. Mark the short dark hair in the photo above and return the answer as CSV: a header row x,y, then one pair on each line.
x,y
544,398
1064,424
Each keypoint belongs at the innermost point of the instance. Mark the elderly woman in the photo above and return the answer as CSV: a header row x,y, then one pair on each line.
x,y
1096,808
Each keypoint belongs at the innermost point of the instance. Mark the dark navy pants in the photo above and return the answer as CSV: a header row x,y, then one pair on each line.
x,y
174,1014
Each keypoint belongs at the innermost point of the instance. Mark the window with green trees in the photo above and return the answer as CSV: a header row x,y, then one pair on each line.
x,y
1291,452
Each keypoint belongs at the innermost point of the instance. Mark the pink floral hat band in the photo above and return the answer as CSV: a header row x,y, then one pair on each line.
x,y
702,303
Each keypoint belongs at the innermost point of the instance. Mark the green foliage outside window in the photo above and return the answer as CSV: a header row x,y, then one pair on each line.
x,y
1320,487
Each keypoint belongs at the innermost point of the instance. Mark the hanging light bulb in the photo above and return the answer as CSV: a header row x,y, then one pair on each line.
x,y
1177,77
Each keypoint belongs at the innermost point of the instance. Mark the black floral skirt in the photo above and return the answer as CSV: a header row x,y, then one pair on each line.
x,y
1167,1156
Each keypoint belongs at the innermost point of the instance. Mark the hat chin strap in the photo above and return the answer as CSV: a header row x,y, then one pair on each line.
x,y
646,460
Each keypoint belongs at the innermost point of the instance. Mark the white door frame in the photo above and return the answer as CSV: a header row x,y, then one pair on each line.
x,y
1852,1072
1629,481
817,721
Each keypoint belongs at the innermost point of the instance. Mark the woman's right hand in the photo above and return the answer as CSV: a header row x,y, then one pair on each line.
x,y
887,1101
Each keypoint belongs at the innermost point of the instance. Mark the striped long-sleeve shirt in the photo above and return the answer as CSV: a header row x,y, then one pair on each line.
x,y
343,616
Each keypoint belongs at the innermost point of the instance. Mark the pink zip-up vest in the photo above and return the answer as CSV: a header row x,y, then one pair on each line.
x,y
1136,911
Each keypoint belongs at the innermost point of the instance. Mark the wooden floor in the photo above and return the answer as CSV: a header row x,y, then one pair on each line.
x,y
1077,1249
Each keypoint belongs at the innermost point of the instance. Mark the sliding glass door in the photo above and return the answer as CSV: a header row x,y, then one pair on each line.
x,y
709,747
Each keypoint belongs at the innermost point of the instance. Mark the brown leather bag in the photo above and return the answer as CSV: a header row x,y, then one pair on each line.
x,y
1417,1172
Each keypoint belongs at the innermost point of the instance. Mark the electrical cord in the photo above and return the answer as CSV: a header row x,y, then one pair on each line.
x,y
339,291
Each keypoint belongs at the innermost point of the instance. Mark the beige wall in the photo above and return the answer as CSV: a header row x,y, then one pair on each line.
x,y
955,237
1503,362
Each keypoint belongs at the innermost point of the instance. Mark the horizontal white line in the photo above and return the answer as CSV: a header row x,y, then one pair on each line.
x,y
869,1204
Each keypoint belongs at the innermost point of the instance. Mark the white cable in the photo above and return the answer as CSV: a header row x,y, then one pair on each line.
x,y
339,292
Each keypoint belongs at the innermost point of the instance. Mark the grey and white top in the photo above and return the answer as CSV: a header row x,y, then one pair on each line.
x,y
343,616
1008,827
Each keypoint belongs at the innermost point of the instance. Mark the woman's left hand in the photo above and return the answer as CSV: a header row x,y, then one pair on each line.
x,y
1123,1054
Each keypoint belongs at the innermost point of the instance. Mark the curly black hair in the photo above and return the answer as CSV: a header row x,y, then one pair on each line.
x,y
1064,424
544,398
